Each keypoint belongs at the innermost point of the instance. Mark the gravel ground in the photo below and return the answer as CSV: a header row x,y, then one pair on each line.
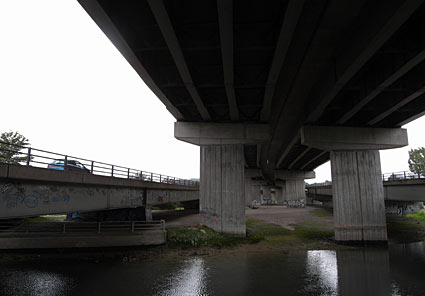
x,y
280,215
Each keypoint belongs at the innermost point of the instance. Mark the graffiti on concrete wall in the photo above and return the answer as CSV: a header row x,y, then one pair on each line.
x,y
296,203
13,200
401,209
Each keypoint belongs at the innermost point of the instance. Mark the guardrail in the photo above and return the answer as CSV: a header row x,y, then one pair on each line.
x,y
24,155
401,176
7,228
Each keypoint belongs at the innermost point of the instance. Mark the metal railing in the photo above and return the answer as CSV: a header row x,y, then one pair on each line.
x,y
401,176
7,228
29,156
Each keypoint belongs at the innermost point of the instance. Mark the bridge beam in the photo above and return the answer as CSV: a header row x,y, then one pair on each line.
x,y
357,189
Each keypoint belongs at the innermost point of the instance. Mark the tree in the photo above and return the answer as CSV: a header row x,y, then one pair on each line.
x,y
417,160
11,143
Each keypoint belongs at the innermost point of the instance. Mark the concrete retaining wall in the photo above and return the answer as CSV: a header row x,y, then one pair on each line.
x,y
148,237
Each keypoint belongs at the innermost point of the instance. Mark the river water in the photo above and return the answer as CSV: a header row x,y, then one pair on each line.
x,y
396,270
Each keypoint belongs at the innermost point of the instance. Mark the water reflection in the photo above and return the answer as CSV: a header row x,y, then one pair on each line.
x,y
188,279
322,272
398,271
364,272
34,283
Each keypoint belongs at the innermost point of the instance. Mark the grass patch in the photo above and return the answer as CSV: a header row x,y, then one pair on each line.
x,y
321,213
257,231
399,224
420,216
47,218
314,231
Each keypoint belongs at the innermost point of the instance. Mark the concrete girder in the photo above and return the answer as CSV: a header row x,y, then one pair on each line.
x,y
354,57
353,138
292,14
302,104
167,30
225,21
380,88
204,134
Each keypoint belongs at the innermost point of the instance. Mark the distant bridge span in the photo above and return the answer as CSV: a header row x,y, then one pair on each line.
x,y
30,191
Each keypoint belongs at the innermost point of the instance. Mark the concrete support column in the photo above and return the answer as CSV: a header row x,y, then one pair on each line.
x,y
266,196
222,196
222,200
252,187
357,189
148,213
295,193
249,194
358,196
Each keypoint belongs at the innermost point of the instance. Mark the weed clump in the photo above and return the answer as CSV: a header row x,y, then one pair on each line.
x,y
256,230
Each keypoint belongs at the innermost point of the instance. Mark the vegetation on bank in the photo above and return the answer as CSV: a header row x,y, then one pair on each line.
x,y
419,216
322,213
408,228
47,218
257,231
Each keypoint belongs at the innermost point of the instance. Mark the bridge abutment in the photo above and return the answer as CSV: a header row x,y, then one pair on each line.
x,y
357,189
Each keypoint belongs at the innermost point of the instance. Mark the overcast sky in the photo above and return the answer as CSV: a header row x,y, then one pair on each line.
x,y
66,88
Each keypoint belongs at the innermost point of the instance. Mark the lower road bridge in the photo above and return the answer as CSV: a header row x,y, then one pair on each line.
x,y
31,191
404,192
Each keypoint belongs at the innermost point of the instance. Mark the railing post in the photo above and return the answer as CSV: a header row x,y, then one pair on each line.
x,y
29,156
91,168
65,163
160,178
174,182
404,175
112,172
128,173
151,177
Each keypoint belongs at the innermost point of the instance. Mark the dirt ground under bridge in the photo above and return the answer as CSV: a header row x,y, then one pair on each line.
x,y
274,214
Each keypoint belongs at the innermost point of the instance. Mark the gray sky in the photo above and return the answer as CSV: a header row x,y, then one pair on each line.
x,y
66,88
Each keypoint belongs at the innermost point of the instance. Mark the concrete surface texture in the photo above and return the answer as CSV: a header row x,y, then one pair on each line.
x,y
29,191
199,133
353,138
358,196
222,199
40,241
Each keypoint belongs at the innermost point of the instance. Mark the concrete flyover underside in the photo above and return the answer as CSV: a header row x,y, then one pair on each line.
x,y
222,66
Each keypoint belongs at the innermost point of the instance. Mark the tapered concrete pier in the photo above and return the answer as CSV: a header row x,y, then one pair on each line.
x,y
222,191
357,189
